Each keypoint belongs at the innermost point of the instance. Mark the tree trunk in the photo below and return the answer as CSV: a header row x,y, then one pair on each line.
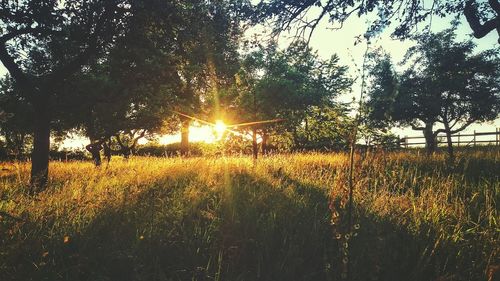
x,y
255,148
295,137
430,139
307,130
449,140
107,151
41,146
20,146
185,136
95,149
265,138
126,152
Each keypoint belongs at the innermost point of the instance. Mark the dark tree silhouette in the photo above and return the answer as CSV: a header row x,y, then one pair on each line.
x,y
446,83
42,44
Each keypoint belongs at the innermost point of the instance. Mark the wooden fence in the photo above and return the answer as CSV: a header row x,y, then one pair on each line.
x,y
458,139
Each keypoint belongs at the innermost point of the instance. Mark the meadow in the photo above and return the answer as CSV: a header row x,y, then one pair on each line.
x,y
282,217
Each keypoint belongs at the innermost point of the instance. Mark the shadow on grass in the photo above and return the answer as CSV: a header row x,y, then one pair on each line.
x,y
384,249
243,229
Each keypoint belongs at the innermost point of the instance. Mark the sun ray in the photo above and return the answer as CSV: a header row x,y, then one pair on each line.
x,y
220,128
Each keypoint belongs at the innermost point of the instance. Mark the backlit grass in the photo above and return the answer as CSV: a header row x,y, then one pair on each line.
x,y
233,219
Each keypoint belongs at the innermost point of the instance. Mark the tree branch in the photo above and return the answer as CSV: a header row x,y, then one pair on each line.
x,y
93,145
480,30
413,127
295,13
316,21
141,135
439,131
9,63
91,48
465,125
495,5
118,139
9,36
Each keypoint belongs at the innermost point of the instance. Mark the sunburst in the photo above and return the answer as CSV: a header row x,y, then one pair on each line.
x,y
220,128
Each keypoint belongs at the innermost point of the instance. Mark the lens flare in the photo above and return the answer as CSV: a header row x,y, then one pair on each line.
x,y
220,128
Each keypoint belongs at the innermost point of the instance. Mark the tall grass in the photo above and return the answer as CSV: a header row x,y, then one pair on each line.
x,y
279,218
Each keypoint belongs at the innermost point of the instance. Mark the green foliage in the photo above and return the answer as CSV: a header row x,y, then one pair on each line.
x,y
287,84
454,83
447,83
56,38
382,92
325,128
208,56
115,66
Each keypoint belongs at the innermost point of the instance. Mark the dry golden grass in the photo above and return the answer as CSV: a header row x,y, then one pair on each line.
x,y
229,218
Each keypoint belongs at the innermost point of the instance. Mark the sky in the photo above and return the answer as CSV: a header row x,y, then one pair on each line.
x,y
327,41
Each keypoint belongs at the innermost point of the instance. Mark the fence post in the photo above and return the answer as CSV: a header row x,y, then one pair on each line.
x,y
406,142
497,136
458,142
474,138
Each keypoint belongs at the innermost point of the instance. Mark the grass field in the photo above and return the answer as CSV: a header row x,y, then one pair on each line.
x,y
281,218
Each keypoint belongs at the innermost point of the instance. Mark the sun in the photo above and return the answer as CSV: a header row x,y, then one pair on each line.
x,y
220,128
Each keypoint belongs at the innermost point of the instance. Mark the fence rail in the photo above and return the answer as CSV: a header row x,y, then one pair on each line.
x,y
466,139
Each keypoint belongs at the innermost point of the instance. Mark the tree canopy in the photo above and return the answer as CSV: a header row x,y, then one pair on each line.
x,y
447,82
274,84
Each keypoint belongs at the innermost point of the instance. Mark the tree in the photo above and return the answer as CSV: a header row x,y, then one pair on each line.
x,y
447,83
130,94
326,127
208,59
482,17
43,44
286,85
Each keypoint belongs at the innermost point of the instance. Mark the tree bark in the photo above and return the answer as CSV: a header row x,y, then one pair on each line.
x,y
95,149
41,146
449,140
255,148
126,152
185,122
124,148
482,29
430,139
107,151
307,129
